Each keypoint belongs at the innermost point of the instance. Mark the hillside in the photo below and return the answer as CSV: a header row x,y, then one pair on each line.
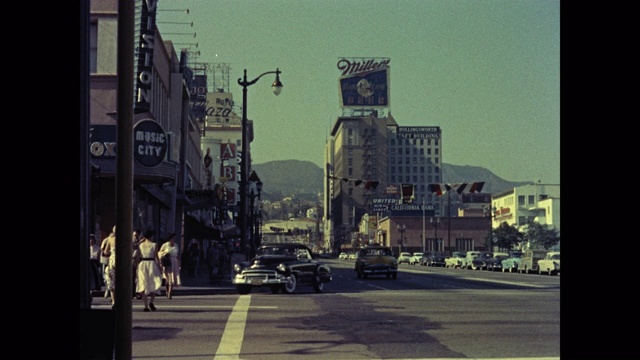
x,y
304,179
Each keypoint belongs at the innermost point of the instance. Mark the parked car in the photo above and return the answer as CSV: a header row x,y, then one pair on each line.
x,y
530,260
480,261
282,267
376,260
495,263
468,258
352,256
404,257
343,256
455,260
511,263
550,264
434,259
415,258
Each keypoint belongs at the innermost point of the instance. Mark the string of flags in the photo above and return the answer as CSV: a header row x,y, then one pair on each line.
x,y
460,188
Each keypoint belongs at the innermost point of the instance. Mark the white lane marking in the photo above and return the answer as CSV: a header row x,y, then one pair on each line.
x,y
233,335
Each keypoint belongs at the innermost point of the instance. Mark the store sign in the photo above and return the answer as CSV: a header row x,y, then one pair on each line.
x,y
149,143
143,64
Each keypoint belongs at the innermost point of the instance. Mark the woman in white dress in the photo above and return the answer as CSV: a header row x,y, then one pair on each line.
x,y
171,273
149,274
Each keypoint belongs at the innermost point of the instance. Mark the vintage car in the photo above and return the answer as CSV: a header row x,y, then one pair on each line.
x,y
433,259
480,261
455,260
530,260
343,256
550,264
405,257
468,258
495,263
281,266
415,258
511,263
376,260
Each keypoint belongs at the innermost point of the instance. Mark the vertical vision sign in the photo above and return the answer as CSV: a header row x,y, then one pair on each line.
x,y
143,64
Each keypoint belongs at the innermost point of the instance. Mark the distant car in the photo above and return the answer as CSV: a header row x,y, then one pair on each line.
x,y
550,264
343,256
376,260
468,258
352,256
511,263
495,263
434,259
530,258
480,261
455,260
281,267
404,257
415,258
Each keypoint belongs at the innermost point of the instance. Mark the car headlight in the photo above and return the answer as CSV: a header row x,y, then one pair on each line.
x,y
237,268
282,268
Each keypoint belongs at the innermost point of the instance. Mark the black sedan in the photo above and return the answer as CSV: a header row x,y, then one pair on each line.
x,y
281,266
480,261
433,259
495,263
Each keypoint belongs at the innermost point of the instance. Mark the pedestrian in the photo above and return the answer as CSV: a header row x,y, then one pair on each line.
x,y
149,273
194,256
104,262
94,263
134,264
212,260
109,250
171,271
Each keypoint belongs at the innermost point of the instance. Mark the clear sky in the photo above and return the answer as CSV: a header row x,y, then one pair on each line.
x,y
486,71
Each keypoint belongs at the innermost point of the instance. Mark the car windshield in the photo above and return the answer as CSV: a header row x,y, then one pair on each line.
x,y
278,250
374,252
555,257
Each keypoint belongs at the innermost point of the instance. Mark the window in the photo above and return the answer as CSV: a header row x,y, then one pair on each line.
x,y
521,200
532,199
429,151
400,169
350,161
407,151
392,160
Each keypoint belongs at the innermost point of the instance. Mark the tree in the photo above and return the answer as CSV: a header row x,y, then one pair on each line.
x,y
540,236
508,236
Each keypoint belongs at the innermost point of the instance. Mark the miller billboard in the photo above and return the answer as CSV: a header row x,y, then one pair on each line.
x,y
364,83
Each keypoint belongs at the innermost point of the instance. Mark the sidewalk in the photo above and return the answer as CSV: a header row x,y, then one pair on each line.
x,y
194,285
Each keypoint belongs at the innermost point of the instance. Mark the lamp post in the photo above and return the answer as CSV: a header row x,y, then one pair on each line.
x,y
424,239
244,166
255,240
402,228
435,222
489,212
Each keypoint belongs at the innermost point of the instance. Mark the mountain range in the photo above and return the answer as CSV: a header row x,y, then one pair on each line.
x,y
282,178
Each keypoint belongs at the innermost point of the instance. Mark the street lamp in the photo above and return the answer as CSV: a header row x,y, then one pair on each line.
x,y
435,222
424,239
402,228
489,212
255,234
244,166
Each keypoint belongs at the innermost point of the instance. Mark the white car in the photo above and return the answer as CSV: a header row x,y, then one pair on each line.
x,y
343,256
352,256
415,259
404,257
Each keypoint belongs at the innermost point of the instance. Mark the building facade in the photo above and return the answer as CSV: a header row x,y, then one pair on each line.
x,y
162,104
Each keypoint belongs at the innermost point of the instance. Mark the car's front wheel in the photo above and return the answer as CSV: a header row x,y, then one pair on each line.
x,y
290,287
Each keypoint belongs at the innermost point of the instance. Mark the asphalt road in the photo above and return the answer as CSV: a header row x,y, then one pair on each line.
x,y
427,313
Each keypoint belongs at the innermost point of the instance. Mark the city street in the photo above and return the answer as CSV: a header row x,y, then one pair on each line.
x,y
425,313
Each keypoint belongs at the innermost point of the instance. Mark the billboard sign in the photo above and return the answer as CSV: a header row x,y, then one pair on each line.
x,y
364,84
144,44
